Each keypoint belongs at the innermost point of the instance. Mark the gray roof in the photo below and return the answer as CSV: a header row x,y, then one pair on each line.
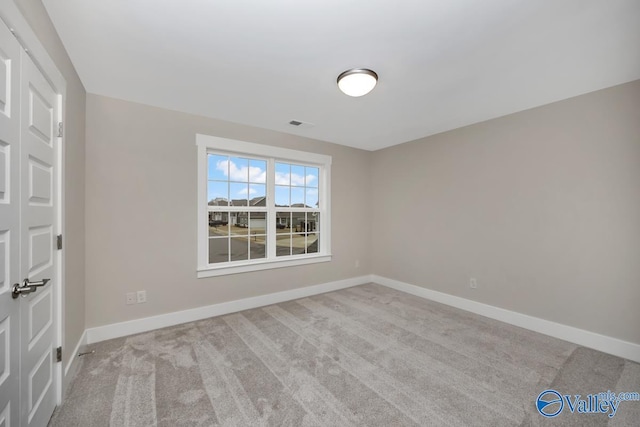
x,y
256,201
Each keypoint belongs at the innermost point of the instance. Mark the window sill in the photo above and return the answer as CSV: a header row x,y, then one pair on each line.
x,y
264,265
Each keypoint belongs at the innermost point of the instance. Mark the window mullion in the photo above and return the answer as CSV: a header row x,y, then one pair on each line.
x,y
271,209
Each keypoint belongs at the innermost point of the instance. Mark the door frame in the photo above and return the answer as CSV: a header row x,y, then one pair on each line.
x,y
13,18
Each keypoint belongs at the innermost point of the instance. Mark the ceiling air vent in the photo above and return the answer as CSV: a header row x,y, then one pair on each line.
x,y
299,124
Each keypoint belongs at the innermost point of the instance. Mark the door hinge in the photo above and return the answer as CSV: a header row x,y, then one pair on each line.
x,y
59,241
59,354
59,129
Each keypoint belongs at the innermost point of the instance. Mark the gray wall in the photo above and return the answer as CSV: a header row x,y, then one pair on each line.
x,y
542,207
141,213
74,297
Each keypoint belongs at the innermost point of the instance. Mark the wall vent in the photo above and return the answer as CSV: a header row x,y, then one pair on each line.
x,y
301,124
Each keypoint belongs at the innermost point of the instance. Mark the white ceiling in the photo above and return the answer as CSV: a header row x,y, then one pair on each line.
x,y
442,64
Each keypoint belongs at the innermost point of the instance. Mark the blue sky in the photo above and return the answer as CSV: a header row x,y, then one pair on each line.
x,y
240,178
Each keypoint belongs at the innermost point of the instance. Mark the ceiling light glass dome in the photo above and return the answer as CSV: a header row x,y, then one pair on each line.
x,y
357,82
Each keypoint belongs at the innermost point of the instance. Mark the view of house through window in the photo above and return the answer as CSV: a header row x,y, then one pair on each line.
x,y
297,209
239,208
237,191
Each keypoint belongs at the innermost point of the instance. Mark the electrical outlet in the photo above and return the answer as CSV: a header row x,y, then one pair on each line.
x,y
473,283
131,298
357,263
142,296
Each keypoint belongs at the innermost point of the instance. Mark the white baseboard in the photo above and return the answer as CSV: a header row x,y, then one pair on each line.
x,y
116,330
581,337
574,335
72,366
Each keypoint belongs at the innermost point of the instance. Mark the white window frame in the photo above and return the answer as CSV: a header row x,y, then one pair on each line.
x,y
212,144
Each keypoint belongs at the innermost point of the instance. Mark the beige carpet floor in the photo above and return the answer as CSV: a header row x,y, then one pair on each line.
x,y
364,356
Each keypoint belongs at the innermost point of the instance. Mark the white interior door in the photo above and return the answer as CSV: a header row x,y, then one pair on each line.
x,y
29,113
38,160
9,226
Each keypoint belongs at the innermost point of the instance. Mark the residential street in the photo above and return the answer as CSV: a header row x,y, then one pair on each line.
x,y
240,247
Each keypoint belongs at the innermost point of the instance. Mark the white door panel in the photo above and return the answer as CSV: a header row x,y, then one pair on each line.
x,y
29,112
9,226
39,116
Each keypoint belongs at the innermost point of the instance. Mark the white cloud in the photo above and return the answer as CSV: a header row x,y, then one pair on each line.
x,y
297,180
244,192
235,173
259,175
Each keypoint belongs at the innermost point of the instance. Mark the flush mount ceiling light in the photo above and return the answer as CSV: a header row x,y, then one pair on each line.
x,y
357,81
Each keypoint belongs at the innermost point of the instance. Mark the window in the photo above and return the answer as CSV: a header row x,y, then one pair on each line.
x,y
260,207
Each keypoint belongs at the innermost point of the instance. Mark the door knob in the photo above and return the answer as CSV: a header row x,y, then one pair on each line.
x,y
27,287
